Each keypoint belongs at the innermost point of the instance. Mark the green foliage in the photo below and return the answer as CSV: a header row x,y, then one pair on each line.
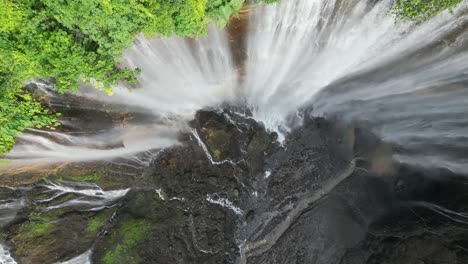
x,y
72,40
270,1
36,225
96,223
33,229
220,11
421,9
42,235
129,234
4,162
95,177
18,110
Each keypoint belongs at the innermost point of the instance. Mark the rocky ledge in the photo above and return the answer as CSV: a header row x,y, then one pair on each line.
x,y
230,193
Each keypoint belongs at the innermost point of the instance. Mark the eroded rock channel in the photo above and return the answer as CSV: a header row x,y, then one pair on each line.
x,y
230,193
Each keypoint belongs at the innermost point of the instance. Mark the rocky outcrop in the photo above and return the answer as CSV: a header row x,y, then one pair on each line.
x,y
230,193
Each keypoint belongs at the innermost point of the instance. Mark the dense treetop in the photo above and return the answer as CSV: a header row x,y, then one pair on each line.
x,y
421,9
72,40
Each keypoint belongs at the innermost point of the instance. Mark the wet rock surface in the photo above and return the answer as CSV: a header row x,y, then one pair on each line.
x,y
230,193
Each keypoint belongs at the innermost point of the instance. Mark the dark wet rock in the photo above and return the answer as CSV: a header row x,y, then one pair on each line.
x,y
82,114
47,237
53,220
312,155
204,232
330,194
150,230
232,137
9,193
188,205
141,218
428,225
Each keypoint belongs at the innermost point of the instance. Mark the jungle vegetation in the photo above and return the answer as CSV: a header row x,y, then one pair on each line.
x,y
69,41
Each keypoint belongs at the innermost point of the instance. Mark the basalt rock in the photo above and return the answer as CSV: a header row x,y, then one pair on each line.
x,y
230,193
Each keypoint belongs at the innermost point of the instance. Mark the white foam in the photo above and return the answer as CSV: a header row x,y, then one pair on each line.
x,y
224,202
5,257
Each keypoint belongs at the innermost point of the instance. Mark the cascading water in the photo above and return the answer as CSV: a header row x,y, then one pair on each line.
x,y
297,48
179,76
347,60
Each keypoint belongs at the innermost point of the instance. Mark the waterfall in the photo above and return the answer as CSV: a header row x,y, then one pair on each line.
x,y
297,48
347,59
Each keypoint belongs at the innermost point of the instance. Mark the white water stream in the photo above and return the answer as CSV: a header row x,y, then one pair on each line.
x,y
90,196
344,58
5,257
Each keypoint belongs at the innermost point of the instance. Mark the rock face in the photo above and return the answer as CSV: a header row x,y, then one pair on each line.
x,y
230,193
422,229
190,197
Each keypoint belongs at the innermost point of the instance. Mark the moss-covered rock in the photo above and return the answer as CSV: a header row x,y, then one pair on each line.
x,y
259,143
229,136
143,218
47,237
94,177
96,222
126,237
177,225
218,136
106,175
218,142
